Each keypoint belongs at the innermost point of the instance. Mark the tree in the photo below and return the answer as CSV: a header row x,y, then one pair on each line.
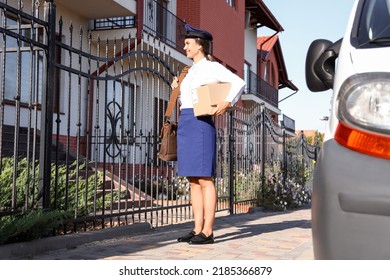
x,y
316,139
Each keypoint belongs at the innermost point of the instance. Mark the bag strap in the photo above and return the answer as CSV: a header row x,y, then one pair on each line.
x,y
175,93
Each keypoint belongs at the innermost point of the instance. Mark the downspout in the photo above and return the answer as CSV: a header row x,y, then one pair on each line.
x,y
140,19
288,96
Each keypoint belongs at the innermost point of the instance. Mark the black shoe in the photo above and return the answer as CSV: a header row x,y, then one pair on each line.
x,y
202,239
186,237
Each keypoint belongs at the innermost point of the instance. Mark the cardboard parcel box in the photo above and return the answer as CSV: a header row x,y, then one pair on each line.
x,y
205,98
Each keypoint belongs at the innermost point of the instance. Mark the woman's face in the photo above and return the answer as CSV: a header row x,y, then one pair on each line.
x,y
191,47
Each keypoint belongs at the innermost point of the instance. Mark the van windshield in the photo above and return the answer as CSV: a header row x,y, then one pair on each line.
x,y
374,24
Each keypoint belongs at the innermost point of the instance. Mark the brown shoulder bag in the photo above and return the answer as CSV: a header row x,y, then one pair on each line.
x,y
168,139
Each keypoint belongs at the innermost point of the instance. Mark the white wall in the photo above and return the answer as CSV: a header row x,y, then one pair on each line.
x,y
250,48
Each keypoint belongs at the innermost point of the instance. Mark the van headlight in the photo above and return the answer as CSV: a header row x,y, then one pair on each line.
x,y
363,110
364,102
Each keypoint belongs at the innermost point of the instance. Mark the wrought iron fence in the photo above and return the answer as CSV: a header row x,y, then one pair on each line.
x,y
80,121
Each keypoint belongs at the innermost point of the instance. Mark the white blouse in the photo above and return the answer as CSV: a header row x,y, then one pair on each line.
x,y
206,72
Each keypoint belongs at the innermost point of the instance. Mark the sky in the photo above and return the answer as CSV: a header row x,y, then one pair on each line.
x,y
304,21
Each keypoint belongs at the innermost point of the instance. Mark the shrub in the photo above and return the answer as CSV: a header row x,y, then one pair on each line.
x,y
280,193
29,226
74,195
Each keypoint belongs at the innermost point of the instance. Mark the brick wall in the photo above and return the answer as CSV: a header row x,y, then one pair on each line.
x,y
62,139
225,23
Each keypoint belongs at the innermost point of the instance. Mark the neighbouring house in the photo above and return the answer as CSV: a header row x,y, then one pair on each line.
x,y
272,72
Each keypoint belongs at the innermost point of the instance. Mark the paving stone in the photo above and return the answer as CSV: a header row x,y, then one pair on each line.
x,y
253,236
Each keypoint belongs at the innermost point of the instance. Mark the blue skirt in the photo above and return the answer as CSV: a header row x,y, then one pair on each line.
x,y
196,145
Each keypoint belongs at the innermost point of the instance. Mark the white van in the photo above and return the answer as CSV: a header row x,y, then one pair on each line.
x,y
351,190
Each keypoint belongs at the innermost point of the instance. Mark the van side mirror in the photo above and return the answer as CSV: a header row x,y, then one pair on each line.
x,y
321,63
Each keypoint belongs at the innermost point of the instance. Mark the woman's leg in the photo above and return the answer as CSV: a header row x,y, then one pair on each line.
x,y
197,204
209,203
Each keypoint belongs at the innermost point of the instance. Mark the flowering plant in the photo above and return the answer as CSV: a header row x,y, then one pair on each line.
x,y
281,192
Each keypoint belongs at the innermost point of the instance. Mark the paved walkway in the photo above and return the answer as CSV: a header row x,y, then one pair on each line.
x,y
252,236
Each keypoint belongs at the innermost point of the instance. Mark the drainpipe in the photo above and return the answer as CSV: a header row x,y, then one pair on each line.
x,y
140,18
288,96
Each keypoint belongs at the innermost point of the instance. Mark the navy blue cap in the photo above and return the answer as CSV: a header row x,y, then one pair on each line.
x,y
193,32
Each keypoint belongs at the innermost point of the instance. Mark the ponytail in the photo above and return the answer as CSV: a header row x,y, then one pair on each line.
x,y
206,46
210,57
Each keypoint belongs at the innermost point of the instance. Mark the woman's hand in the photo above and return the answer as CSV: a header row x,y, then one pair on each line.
x,y
221,108
175,83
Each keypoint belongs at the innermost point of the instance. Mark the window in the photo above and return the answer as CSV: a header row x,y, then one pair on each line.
x,y
24,65
374,27
20,61
265,74
113,23
161,18
268,74
231,3
247,73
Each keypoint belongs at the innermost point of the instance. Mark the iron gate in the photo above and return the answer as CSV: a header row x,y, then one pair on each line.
x,y
80,120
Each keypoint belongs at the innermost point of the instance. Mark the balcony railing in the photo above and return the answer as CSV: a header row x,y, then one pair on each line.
x,y
157,21
260,88
113,23
163,24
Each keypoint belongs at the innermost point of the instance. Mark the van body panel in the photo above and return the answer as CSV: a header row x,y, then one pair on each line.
x,y
351,190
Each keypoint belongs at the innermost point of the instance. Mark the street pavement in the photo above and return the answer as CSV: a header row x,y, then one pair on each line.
x,y
257,235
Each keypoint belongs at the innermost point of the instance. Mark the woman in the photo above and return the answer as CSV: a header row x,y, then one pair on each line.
x,y
197,136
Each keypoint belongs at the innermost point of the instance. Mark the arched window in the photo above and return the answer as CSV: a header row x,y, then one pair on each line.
x,y
266,72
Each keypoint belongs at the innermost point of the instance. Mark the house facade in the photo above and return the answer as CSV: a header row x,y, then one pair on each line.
x,y
113,28
89,81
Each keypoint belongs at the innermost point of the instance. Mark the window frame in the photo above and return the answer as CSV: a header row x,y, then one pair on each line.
x,y
36,72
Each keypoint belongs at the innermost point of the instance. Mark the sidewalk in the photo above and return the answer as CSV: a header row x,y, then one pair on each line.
x,y
252,236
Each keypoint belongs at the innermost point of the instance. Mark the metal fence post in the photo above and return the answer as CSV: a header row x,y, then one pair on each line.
x,y
231,164
263,133
285,159
47,107
304,142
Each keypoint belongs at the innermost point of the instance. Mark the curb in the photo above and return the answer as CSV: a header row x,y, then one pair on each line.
x,y
26,249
